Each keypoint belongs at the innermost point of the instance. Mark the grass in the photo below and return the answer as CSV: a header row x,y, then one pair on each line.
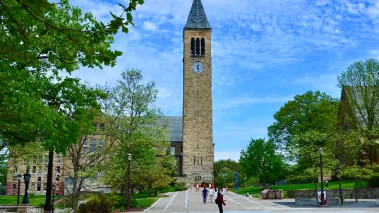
x,y
146,202
33,200
306,186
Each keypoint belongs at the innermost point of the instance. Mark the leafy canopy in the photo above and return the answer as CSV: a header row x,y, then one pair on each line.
x,y
310,111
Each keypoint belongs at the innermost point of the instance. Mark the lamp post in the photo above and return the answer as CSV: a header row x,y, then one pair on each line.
x,y
52,205
19,176
128,191
26,179
322,178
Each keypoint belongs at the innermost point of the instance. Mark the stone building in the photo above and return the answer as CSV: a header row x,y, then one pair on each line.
x,y
350,118
191,136
37,167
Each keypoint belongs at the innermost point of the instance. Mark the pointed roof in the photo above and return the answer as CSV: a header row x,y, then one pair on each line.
x,y
197,18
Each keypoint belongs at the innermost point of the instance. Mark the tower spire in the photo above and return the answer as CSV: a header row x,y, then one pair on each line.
x,y
197,19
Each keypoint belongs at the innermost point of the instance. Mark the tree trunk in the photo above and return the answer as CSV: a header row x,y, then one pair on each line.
x,y
355,190
47,206
74,198
340,188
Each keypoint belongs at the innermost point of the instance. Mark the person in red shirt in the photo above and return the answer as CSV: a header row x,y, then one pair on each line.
x,y
220,200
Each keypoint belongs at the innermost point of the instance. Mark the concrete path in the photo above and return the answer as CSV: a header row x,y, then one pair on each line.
x,y
191,201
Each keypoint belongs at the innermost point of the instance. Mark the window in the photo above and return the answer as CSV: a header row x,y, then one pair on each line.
x,y
40,159
58,159
15,169
14,177
92,147
165,150
47,159
197,46
197,178
58,169
202,46
102,127
39,179
172,151
192,46
14,186
201,160
57,178
100,145
85,146
194,160
38,187
34,160
46,169
34,169
39,170
27,162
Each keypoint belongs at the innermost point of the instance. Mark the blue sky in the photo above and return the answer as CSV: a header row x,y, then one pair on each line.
x,y
264,53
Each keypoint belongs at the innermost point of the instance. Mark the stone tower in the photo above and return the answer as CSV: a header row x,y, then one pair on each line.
x,y
198,150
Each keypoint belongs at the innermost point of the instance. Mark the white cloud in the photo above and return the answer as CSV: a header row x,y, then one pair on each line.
x,y
234,155
235,102
150,26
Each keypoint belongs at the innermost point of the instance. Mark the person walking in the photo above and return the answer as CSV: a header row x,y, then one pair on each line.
x,y
205,194
197,187
211,192
226,189
220,200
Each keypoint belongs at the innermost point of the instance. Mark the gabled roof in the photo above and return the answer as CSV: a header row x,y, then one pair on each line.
x,y
175,125
197,19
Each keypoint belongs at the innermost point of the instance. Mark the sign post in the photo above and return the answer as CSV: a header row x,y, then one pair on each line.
x,y
236,181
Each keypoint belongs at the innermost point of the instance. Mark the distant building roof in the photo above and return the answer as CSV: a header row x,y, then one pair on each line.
x,y
175,125
197,19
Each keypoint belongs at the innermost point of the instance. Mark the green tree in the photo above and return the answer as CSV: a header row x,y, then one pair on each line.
x,y
260,160
42,42
312,144
132,124
224,171
310,111
361,84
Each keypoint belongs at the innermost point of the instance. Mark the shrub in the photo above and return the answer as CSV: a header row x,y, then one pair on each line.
x,y
96,203
122,208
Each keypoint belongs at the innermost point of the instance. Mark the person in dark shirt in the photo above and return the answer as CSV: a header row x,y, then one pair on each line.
x,y
205,194
220,200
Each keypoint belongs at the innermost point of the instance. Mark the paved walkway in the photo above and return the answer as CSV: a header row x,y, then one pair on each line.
x,y
191,201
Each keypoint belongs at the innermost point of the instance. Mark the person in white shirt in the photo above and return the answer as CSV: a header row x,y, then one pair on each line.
x,y
211,192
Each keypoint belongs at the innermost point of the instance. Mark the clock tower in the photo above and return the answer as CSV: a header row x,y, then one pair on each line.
x,y
198,150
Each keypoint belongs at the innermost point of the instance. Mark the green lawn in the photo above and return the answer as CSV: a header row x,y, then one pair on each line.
x,y
307,186
146,202
33,200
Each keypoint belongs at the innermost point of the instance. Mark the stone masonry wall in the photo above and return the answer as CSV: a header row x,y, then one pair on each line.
x,y
366,193
198,151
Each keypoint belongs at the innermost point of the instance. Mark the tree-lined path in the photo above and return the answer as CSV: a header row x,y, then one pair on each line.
x,y
187,201
192,202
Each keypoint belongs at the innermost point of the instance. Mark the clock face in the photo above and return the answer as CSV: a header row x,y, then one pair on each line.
x,y
197,67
